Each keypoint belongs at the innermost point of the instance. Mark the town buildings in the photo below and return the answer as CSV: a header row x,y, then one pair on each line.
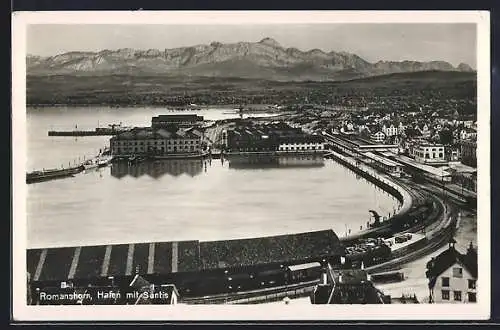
x,y
452,276
431,136
390,129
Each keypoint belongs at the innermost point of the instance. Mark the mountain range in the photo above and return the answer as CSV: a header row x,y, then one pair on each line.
x,y
265,59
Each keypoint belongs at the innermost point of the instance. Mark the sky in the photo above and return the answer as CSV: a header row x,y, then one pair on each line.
x,y
451,42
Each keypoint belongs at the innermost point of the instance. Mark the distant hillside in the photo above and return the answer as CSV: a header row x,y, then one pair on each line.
x,y
161,90
265,59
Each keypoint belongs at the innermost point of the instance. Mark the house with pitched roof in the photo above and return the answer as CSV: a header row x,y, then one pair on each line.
x,y
467,134
452,276
390,129
378,136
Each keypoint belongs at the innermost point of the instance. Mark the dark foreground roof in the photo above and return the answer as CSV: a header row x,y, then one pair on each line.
x,y
86,262
265,250
352,286
112,260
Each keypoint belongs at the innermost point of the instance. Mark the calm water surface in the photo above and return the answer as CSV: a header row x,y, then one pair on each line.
x,y
180,200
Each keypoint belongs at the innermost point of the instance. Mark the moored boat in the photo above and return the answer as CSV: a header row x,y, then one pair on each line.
x,y
51,174
90,164
104,161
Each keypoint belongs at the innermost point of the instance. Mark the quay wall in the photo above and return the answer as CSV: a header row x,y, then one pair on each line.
x,y
381,181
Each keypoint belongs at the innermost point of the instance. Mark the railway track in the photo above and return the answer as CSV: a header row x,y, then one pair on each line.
x,y
437,235
437,231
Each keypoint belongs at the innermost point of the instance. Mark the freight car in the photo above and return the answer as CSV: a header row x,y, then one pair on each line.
x,y
367,253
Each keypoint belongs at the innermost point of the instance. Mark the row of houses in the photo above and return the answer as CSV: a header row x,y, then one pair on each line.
x,y
380,133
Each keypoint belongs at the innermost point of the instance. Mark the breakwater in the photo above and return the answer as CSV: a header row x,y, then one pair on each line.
x,y
83,133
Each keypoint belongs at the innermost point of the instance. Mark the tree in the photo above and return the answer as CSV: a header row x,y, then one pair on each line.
x,y
445,136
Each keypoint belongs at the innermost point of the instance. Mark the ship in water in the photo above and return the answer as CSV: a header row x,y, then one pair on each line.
x,y
51,174
90,164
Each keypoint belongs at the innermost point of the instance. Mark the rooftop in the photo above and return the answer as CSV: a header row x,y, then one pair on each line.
x,y
266,250
177,118
380,159
436,266
148,133
439,172
192,256
350,276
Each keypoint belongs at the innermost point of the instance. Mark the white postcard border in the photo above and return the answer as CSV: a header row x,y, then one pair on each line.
x,y
22,312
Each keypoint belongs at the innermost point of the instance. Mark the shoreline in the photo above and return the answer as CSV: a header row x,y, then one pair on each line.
x,y
261,107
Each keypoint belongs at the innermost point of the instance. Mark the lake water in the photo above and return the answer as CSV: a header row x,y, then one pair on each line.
x,y
180,200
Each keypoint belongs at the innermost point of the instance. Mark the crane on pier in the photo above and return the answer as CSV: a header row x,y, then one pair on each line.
x,y
376,218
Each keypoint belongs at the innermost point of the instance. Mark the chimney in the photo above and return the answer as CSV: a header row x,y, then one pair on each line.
x,y
340,278
471,249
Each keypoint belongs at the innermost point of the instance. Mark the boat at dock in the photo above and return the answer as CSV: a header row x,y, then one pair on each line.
x,y
104,161
90,164
51,174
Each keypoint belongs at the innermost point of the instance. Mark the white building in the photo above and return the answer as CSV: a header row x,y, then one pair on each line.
x,y
301,146
378,136
467,134
390,130
424,130
429,153
452,276
401,128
